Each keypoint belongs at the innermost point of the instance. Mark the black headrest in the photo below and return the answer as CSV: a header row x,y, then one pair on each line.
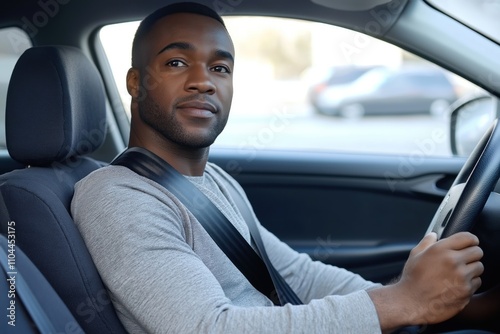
x,y
55,106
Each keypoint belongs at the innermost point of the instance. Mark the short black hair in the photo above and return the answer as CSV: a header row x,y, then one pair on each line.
x,y
181,7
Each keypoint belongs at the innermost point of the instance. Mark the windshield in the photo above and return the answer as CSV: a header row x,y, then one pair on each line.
x,y
480,15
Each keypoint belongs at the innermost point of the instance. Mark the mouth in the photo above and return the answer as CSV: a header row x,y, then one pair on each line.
x,y
198,109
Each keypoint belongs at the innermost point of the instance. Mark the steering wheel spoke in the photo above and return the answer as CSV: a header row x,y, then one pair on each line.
x,y
470,191
445,210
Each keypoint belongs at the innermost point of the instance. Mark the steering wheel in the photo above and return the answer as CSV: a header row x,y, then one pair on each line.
x,y
472,187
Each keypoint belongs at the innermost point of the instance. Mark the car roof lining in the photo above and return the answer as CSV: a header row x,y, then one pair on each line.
x,y
89,14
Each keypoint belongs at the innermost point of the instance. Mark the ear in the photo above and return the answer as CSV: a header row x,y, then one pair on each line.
x,y
133,80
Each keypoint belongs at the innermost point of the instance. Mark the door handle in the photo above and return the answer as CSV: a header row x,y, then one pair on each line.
x,y
432,185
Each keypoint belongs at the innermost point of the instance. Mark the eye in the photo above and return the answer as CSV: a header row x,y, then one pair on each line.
x,y
221,69
176,63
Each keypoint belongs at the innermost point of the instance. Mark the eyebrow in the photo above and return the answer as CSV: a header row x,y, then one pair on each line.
x,y
188,46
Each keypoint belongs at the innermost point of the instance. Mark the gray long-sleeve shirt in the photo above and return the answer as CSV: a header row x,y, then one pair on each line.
x,y
165,274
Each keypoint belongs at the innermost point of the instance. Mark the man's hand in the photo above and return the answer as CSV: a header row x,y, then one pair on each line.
x,y
437,282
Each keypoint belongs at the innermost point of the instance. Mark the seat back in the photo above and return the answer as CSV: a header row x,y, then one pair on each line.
x,y
55,115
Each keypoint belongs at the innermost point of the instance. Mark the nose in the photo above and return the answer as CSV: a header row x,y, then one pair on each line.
x,y
199,80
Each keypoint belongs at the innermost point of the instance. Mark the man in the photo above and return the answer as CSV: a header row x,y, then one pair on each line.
x,y
164,272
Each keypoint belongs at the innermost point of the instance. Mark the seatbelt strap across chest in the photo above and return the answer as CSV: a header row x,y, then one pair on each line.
x,y
257,269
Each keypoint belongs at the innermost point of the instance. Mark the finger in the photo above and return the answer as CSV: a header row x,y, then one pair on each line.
x,y
460,241
475,284
470,254
475,269
426,242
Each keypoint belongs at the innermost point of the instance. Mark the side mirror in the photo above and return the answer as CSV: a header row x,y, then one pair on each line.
x,y
469,121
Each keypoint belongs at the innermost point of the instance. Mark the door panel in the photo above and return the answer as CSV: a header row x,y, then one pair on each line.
x,y
361,212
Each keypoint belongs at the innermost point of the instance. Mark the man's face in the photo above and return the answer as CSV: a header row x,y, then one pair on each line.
x,y
187,82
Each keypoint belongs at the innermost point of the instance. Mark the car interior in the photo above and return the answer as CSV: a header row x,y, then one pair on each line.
x,y
364,212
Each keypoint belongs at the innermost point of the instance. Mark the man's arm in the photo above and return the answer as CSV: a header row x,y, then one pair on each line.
x,y
438,280
311,279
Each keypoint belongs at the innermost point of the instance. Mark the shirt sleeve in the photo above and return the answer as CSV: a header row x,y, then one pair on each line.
x,y
158,284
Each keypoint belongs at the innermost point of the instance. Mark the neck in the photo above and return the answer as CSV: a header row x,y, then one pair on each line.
x,y
190,162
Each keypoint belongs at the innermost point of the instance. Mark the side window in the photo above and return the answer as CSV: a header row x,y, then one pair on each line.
x,y
302,85
13,42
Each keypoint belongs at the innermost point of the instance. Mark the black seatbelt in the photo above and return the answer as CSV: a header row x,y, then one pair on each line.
x,y
260,273
282,286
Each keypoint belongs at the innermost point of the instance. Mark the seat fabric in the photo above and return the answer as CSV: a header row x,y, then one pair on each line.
x,y
55,116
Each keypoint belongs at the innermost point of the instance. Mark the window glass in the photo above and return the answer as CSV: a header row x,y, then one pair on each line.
x,y
302,85
13,42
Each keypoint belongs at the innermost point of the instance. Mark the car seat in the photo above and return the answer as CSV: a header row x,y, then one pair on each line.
x,y
55,116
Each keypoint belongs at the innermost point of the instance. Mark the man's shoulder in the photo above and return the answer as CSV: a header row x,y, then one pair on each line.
x,y
107,179
107,175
